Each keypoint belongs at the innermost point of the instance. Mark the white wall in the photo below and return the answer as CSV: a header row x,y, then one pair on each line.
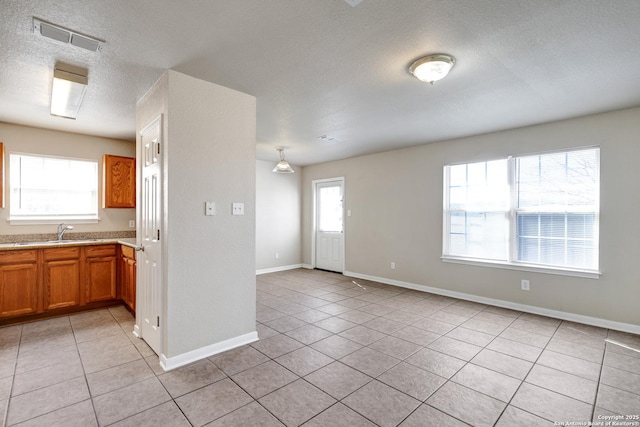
x,y
25,139
396,203
209,262
278,206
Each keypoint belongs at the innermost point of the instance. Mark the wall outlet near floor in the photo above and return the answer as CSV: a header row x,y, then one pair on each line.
x,y
524,284
393,265
132,223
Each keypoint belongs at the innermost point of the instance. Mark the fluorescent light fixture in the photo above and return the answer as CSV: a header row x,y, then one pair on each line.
x,y
282,166
67,93
432,68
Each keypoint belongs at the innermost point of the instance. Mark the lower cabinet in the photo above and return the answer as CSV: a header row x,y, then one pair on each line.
x,y
127,277
100,272
62,272
19,283
37,283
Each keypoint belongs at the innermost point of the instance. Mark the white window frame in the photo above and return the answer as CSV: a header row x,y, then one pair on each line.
x,y
85,218
511,263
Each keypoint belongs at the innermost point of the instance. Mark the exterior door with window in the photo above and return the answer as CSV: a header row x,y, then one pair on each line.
x,y
149,292
329,221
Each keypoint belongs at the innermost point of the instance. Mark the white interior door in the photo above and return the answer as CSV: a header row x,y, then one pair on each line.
x,y
329,238
149,294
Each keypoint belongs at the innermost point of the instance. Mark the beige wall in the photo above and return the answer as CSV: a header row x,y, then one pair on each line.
x,y
396,204
209,261
278,204
24,139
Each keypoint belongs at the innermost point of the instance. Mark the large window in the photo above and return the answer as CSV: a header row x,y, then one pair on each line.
x,y
52,189
538,210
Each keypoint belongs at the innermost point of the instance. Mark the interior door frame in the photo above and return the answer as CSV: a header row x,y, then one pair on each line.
x,y
314,218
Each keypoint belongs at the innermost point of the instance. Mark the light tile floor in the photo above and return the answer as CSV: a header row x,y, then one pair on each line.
x,y
331,353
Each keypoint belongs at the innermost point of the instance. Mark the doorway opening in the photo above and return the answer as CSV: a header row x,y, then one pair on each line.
x,y
328,224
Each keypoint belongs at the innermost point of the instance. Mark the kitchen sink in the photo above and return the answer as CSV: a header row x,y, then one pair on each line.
x,y
57,242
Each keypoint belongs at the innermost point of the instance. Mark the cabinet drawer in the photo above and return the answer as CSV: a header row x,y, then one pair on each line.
x,y
61,253
10,257
102,250
128,251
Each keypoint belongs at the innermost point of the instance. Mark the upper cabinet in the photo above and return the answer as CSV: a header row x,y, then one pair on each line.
x,y
119,182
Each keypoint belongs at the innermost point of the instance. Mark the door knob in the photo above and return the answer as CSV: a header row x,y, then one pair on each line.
x,y
139,248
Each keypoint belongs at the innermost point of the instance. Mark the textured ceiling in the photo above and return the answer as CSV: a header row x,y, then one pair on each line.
x,y
322,67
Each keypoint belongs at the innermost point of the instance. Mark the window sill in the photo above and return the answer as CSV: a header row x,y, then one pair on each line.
x,y
52,220
589,274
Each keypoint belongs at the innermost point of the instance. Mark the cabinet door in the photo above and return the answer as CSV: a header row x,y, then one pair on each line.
x,y
130,283
101,278
61,283
18,289
119,181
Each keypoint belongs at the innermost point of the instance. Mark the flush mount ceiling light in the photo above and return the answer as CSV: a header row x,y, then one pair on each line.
x,y
432,68
67,91
282,166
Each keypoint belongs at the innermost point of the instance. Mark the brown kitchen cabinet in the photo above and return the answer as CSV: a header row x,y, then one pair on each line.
x,y
62,278
127,277
18,283
44,282
100,273
119,181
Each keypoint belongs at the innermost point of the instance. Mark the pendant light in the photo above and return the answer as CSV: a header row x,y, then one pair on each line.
x,y
282,166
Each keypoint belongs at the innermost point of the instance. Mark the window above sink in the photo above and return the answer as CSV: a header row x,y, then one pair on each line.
x,y
48,190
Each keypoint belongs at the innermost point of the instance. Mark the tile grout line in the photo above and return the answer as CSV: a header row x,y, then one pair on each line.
x,y
5,418
86,380
604,355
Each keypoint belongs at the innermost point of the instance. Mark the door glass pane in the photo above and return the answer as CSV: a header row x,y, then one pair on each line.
x,y
330,209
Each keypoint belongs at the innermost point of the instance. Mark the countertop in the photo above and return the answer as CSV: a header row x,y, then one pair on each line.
x,y
123,241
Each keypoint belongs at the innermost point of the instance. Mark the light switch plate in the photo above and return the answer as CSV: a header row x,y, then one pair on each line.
x,y
238,208
209,208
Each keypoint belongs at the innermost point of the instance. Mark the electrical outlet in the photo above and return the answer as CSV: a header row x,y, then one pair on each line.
x,y
524,284
277,255
132,223
393,265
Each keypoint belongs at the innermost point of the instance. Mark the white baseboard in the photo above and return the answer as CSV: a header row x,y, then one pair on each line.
x,y
193,356
578,318
307,266
276,269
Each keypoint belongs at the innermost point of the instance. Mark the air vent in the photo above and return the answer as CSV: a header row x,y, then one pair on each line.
x,y
328,138
64,35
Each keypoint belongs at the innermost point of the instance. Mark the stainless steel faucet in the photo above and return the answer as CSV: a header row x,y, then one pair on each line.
x,y
62,228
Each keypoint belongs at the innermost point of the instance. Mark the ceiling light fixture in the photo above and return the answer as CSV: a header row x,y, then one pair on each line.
x,y
432,68
282,166
67,92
